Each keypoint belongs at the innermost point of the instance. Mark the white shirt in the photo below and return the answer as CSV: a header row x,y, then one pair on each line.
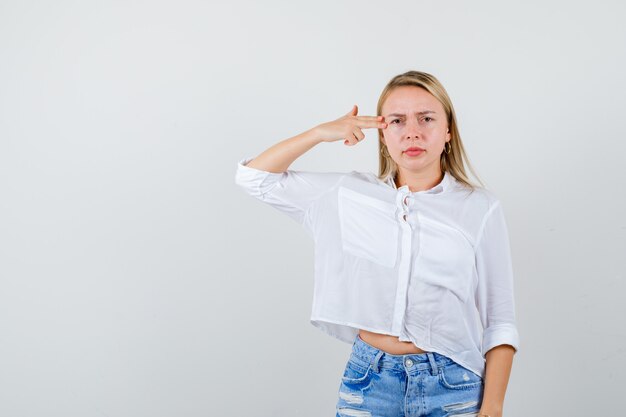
x,y
431,267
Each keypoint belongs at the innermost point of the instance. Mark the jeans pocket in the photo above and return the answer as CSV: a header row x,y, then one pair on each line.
x,y
455,376
356,374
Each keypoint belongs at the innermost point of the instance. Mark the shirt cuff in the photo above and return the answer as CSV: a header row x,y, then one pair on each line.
x,y
500,334
256,181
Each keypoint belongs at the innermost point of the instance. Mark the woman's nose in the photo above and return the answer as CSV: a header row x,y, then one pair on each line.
x,y
412,129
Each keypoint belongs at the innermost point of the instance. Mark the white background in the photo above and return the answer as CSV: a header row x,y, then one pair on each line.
x,y
136,279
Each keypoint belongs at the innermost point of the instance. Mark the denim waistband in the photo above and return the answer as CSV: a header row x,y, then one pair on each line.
x,y
368,355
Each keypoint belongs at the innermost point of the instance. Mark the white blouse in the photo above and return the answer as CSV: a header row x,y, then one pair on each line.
x,y
431,267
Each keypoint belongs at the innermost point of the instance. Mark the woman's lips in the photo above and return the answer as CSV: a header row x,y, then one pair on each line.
x,y
414,151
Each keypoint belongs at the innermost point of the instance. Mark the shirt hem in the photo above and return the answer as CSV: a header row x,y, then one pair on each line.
x,y
318,322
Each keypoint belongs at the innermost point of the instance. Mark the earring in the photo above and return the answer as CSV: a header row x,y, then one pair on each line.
x,y
448,147
384,152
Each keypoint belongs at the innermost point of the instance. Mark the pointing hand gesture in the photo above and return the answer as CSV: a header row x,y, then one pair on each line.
x,y
348,127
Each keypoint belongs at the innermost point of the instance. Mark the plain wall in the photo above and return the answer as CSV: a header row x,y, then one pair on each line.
x,y
136,278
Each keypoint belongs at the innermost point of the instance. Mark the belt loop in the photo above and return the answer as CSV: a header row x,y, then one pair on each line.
x,y
433,364
376,359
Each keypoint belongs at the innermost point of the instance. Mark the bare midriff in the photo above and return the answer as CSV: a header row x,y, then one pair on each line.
x,y
388,343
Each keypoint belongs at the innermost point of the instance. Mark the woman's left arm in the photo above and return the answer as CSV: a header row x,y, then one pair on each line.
x,y
497,372
496,306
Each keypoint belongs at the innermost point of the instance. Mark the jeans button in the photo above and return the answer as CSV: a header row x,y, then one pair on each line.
x,y
408,363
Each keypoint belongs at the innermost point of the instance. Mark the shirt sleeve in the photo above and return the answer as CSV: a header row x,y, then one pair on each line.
x,y
495,293
292,192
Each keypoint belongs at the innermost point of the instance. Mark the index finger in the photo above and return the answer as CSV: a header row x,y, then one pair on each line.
x,y
371,124
369,117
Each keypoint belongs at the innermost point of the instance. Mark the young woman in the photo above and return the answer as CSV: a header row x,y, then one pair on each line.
x,y
412,266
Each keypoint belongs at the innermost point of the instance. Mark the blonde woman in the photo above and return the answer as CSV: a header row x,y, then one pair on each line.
x,y
412,266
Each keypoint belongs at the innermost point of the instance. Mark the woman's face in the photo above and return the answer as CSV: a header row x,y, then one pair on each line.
x,y
415,118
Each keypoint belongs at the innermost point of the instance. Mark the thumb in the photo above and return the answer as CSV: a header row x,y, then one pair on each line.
x,y
354,111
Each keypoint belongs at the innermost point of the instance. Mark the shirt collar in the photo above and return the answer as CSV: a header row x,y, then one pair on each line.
x,y
443,186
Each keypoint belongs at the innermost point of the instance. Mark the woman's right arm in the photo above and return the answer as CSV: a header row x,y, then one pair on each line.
x,y
267,177
281,155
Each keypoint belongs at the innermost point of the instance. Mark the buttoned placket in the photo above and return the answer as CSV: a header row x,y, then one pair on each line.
x,y
404,269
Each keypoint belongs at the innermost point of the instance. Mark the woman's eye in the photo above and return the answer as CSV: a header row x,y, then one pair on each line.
x,y
429,118
395,120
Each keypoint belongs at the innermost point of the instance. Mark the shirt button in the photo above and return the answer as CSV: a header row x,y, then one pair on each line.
x,y
408,363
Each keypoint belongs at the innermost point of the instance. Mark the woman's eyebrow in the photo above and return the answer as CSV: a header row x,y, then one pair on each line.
x,y
418,113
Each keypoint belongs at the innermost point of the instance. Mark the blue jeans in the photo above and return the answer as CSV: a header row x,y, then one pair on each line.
x,y
379,384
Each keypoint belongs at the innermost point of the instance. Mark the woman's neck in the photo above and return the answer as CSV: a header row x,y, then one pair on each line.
x,y
419,182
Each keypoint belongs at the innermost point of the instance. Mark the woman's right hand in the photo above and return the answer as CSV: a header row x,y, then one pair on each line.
x,y
348,127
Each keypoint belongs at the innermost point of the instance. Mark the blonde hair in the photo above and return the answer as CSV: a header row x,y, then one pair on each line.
x,y
455,161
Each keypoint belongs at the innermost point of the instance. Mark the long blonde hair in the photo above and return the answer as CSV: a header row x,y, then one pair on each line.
x,y
455,161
